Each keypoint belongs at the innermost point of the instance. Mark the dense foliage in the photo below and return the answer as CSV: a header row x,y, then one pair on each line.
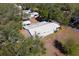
x,y
58,12
23,47
71,47
12,43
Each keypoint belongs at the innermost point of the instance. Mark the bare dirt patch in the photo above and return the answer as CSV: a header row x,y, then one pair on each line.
x,y
62,35
25,33
33,20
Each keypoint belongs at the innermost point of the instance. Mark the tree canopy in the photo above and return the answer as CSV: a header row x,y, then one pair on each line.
x,y
12,43
58,12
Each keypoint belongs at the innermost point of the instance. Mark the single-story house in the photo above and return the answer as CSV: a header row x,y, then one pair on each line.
x,y
42,29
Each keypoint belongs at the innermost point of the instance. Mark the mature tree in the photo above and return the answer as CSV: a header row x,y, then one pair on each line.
x,y
8,12
59,12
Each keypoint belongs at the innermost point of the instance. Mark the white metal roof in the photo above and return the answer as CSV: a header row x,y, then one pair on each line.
x,y
42,28
26,11
35,25
32,14
26,22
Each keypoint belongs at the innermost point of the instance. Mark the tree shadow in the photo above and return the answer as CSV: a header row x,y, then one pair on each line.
x,y
59,46
40,19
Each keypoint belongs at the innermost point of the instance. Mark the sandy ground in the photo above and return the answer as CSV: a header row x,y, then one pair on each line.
x,y
50,49
25,33
62,35
33,20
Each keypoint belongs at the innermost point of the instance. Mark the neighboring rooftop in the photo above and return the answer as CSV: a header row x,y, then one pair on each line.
x,y
29,14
